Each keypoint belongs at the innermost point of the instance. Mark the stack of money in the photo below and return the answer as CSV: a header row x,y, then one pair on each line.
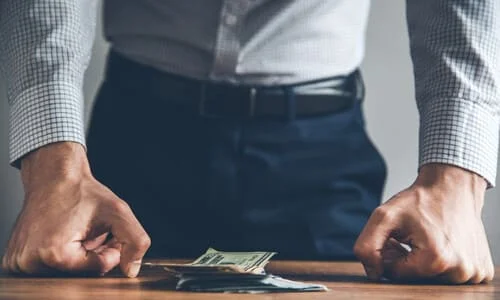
x,y
232,272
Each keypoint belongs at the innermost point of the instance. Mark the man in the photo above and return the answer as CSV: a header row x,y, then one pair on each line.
x,y
238,125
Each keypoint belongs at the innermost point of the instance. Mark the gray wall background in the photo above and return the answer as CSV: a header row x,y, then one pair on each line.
x,y
390,112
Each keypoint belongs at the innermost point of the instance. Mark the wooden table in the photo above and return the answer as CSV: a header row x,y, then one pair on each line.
x,y
345,280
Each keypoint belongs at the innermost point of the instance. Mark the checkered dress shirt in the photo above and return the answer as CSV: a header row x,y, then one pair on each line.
x,y
46,46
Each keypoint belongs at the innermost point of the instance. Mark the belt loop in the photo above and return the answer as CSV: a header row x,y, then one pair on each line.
x,y
360,86
291,105
251,101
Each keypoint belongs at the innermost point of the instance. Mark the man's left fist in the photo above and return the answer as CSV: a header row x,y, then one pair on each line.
x,y
439,217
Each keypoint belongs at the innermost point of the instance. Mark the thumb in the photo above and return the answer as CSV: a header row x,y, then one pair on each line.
x,y
368,248
128,232
417,263
106,257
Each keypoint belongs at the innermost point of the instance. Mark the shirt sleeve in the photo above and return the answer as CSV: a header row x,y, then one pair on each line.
x,y
45,47
455,53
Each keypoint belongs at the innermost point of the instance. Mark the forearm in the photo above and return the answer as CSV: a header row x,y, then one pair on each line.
x,y
455,51
45,49
60,162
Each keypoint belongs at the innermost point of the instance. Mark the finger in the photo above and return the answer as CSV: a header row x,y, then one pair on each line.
x,y
108,257
7,264
478,277
109,254
96,242
114,243
7,260
489,276
490,270
487,264
427,263
11,264
393,251
460,274
134,240
32,265
4,262
76,259
372,239
404,269
398,261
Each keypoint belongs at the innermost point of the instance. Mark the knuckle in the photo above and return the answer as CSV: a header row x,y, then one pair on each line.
x,y
55,257
438,267
439,264
476,278
140,243
489,272
120,206
12,268
144,242
480,276
385,213
28,262
24,264
489,275
360,250
8,263
465,273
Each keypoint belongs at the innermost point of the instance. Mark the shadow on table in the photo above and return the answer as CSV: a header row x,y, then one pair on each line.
x,y
158,284
326,277
169,284
161,284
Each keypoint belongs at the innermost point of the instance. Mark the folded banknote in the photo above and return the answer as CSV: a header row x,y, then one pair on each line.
x,y
232,272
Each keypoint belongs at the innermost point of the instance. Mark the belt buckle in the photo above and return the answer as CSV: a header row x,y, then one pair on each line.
x,y
252,96
249,111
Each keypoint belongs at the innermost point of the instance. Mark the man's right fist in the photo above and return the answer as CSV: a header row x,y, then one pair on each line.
x,y
67,218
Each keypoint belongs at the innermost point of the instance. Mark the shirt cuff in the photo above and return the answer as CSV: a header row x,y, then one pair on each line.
x,y
43,114
460,132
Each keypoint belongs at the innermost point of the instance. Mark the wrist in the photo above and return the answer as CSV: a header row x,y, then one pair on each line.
x,y
449,175
57,161
451,180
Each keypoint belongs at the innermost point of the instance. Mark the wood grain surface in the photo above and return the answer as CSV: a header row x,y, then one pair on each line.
x,y
345,280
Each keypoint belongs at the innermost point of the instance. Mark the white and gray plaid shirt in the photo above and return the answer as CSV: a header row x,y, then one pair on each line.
x,y
46,45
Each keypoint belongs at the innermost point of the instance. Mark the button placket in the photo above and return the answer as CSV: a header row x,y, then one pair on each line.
x,y
227,47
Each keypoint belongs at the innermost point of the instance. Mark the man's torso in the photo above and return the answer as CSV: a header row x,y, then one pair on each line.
x,y
241,41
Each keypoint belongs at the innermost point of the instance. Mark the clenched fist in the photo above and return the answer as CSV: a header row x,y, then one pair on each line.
x,y
68,218
439,217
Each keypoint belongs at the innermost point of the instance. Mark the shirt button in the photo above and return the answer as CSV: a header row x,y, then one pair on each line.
x,y
231,20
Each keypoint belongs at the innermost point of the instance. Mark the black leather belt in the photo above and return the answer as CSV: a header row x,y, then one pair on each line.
x,y
214,99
